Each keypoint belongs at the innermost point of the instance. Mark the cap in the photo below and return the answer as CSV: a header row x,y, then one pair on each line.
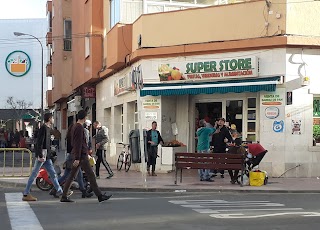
x,y
88,122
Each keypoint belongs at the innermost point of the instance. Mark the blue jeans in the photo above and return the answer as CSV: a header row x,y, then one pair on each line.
x,y
48,165
67,172
204,173
79,178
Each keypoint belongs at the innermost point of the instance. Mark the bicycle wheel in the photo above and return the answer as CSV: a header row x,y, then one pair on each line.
x,y
128,162
120,162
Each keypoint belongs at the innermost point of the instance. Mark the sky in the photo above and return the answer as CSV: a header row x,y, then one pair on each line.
x,y
17,9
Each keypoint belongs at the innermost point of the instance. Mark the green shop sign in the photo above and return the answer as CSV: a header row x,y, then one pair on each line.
x,y
18,63
217,68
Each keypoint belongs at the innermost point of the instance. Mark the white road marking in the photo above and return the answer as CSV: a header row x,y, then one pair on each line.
x,y
20,213
211,211
233,209
242,216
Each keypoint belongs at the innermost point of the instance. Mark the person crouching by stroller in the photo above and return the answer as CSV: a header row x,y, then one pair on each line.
x,y
236,149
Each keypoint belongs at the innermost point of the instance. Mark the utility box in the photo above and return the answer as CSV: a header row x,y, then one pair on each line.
x,y
134,141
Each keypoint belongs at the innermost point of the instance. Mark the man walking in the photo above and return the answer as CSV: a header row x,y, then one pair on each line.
x,y
204,133
221,139
80,153
102,138
154,139
43,159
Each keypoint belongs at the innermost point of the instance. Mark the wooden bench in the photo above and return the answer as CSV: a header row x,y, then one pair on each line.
x,y
214,161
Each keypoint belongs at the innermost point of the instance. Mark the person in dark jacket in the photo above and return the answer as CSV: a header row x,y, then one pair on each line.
x,y
236,149
220,139
80,155
43,159
154,139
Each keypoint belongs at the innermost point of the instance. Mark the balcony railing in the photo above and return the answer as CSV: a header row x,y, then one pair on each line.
x,y
67,44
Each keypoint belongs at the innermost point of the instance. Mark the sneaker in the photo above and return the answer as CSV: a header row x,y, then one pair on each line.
x,y
110,176
29,197
104,197
149,174
97,177
70,192
66,200
209,180
222,176
153,174
86,194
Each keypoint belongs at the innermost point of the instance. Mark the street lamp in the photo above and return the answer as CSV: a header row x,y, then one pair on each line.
x,y
18,34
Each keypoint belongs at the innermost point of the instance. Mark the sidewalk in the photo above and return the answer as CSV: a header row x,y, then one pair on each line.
x,y
132,181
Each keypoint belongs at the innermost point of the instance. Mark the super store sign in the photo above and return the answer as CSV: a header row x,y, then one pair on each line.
x,y
221,68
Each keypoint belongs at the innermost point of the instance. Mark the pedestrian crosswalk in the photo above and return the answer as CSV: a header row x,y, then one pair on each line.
x,y
241,209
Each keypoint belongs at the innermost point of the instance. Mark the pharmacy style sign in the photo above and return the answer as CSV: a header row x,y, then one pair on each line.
x,y
18,63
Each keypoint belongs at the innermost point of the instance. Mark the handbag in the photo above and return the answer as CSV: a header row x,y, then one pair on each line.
x,y
92,161
257,178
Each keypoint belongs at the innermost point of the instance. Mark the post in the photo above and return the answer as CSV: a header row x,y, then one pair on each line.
x,y
143,159
41,80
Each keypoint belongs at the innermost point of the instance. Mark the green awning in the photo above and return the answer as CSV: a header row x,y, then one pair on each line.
x,y
229,86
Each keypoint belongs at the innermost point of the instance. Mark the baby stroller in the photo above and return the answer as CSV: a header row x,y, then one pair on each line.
x,y
255,154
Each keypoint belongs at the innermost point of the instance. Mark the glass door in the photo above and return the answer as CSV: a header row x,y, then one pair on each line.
x,y
252,120
234,117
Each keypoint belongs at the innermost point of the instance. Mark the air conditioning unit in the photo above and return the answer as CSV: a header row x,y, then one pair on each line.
x,y
77,100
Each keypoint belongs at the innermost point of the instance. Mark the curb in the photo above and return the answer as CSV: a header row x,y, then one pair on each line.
x,y
5,184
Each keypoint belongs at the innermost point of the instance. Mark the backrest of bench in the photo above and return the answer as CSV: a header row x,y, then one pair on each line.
x,y
209,161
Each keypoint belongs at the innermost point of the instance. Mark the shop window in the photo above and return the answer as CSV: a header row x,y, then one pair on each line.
x,y
316,120
122,126
252,119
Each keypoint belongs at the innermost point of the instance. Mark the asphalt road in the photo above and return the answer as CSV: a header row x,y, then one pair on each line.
x,y
184,211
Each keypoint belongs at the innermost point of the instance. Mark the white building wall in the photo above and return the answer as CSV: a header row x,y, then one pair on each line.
x,y
28,87
285,149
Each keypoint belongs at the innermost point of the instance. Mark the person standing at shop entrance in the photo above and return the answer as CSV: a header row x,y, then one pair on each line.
x,y
102,138
154,139
220,139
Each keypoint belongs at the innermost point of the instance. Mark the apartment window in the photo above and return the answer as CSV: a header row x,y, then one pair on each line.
x,y
136,116
114,12
50,53
87,47
67,35
52,81
49,15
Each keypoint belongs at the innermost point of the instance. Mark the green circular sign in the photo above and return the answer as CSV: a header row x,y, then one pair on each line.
x,y
18,63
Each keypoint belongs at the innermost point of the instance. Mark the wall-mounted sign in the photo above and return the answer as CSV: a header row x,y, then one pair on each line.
x,y
129,81
210,69
89,92
151,115
289,98
272,98
296,127
151,104
136,77
18,63
272,112
278,126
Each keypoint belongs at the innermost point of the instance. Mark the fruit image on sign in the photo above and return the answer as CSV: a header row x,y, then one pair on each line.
x,y
166,73
18,63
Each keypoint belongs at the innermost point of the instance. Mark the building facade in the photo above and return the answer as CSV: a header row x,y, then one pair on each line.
x,y
20,67
255,64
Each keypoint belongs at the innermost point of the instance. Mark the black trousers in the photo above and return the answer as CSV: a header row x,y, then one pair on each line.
x,y
85,165
234,174
152,158
102,159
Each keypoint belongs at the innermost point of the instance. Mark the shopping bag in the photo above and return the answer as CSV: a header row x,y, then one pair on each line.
x,y
257,178
92,161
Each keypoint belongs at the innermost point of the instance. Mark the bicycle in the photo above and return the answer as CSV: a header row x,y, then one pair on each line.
x,y
124,158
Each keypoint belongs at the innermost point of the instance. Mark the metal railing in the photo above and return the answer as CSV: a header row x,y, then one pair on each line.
x,y
16,165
